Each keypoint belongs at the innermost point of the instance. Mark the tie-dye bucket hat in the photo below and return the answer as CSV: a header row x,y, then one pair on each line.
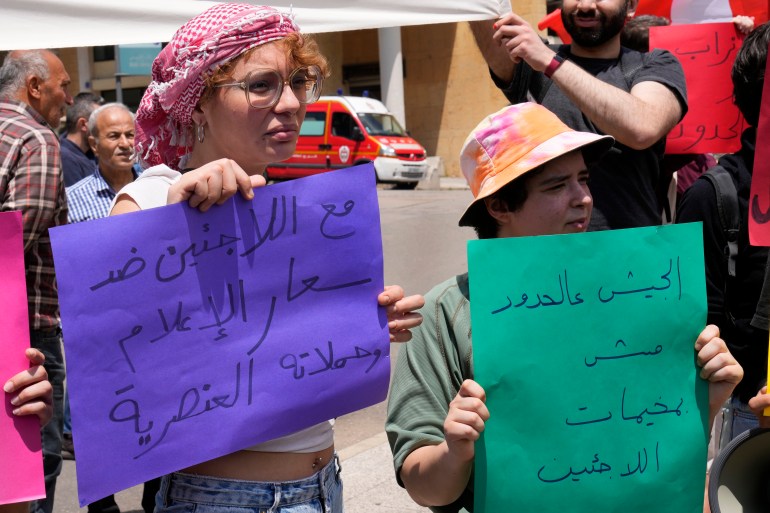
x,y
514,141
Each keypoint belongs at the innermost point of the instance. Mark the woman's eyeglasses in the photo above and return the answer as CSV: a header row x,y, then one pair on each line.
x,y
264,87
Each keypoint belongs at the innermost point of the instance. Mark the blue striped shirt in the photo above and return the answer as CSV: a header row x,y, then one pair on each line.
x,y
90,198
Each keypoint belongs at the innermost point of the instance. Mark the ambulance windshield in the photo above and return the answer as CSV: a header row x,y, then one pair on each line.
x,y
381,124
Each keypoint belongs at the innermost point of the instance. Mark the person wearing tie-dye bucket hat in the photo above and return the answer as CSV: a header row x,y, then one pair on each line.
x,y
528,174
228,96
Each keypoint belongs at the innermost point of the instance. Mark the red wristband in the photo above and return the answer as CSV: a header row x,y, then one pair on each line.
x,y
553,65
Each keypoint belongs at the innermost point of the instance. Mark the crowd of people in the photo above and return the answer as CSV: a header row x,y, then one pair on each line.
x,y
581,147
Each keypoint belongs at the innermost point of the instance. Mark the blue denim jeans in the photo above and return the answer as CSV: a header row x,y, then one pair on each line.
x,y
50,344
186,493
737,418
67,416
740,418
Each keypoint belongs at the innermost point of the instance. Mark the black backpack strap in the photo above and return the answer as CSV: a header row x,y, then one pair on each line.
x,y
729,213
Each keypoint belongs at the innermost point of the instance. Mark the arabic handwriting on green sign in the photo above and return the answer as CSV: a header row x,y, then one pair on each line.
x,y
584,345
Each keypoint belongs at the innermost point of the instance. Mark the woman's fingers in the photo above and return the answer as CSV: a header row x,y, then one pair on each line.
x,y
213,184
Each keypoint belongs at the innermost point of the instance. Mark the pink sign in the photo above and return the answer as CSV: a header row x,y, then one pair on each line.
x,y
21,459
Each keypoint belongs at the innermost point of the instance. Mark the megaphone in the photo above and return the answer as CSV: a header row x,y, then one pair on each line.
x,y
740,475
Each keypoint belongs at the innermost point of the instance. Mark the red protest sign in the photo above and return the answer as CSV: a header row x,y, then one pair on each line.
x,y
759,209
707,51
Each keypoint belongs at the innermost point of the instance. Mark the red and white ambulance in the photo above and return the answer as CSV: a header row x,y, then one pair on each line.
x,y
343,131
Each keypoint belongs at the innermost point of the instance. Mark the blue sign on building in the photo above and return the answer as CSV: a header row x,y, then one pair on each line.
x,y
137,59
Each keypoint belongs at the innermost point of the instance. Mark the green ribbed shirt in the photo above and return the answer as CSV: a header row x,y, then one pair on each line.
x,y
428,374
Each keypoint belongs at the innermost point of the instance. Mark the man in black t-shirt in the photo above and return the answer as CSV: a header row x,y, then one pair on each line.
x,y
595,85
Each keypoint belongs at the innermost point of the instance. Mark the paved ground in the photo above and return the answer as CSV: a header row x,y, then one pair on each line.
x,y
422,246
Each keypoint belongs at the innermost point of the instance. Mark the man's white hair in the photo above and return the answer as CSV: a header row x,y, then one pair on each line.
x,y
19,65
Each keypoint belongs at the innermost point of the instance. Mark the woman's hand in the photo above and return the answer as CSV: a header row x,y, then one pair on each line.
x,y
401,317
31,392
213,183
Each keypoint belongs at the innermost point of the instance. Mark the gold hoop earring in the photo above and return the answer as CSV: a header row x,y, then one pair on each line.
x,y
201,133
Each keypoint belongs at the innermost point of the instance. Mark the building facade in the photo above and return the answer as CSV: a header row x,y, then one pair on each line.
x,y
446,84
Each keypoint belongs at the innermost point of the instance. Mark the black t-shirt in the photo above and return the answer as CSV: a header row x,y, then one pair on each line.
x,y
761,319
625,181
732,302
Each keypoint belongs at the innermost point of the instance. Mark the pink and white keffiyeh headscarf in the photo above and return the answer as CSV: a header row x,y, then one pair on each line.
x,y
163,120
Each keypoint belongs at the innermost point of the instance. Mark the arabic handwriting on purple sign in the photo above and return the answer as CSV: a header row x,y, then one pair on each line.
x,y
178,322
331,210
199,315
166,271
309,284
202,399
291,361
272,231
181,320
181,265
128,410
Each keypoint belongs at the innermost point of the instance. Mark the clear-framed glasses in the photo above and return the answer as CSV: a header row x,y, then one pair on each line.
x,y
264,87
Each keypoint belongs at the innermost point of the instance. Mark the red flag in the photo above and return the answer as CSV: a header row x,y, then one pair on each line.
x,y
654,7
760,9
553,21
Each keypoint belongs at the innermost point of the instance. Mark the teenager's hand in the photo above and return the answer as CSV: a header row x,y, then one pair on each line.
x,y
465,420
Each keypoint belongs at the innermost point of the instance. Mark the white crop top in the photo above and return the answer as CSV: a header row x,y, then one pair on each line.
x,y
150,190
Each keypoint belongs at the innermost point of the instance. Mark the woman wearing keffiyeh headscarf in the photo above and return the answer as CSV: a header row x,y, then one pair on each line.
x,y
227,97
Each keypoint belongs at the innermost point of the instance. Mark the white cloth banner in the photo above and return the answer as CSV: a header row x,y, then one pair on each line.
x,y
685,12
72,23
700,11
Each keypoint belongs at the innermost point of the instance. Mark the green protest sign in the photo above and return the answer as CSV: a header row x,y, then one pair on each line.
x,y
584,345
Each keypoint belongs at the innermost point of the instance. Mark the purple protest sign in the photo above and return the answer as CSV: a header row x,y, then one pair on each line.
x,y
189,336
